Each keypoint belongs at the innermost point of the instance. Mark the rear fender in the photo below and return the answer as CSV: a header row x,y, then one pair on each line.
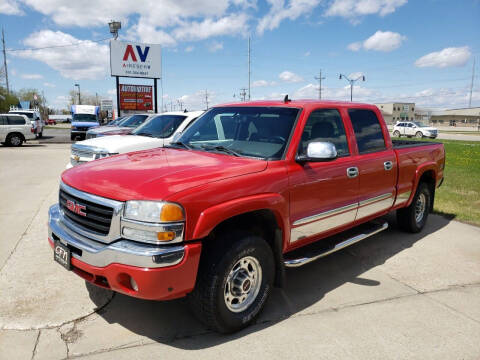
x,y
422,169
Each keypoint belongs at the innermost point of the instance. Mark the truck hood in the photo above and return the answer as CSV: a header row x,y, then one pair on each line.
x,y
122,143
156,174
84,123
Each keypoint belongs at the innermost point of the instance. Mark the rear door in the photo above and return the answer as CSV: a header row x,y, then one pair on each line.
x,y
376,164
3,128
323,197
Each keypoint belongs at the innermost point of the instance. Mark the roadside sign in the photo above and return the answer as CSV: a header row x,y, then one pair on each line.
x,y
106,105
136,97
130,59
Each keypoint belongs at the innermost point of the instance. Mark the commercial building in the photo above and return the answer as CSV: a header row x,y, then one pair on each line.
x,y
456,117
398,111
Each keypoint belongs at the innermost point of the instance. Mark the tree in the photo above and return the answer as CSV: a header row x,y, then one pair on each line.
x,y
7,100
86,99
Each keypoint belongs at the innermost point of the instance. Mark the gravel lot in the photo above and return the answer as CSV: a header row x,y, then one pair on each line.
x,y
393,296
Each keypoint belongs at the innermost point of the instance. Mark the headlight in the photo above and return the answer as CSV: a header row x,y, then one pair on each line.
x,y
74,127
153,221
153,211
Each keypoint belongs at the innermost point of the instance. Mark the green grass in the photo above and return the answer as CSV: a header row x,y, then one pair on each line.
x,y
459,194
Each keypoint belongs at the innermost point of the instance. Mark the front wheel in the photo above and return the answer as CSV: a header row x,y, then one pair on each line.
x,y
414,217
396,133
234,284
419,135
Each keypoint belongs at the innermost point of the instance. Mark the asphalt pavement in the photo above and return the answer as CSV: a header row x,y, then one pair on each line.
x,y
392,296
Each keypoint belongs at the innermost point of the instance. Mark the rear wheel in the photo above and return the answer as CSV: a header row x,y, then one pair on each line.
x,y
414,217
419,135
396,133
15,139
40,134
233,283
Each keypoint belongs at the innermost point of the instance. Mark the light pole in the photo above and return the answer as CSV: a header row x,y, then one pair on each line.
x,y
79,101
351,81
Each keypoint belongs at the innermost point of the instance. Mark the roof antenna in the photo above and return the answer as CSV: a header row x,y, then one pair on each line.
x,y
286,99
185,110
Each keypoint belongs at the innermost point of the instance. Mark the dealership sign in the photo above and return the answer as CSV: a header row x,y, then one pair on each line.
x,y
130,59
136,97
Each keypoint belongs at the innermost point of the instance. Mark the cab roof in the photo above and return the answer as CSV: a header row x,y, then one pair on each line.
x,y
301,103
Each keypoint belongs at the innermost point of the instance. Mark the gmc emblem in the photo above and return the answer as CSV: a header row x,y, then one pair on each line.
x,y
76,208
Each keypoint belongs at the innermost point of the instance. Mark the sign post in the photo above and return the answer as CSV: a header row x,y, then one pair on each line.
x,y
128,59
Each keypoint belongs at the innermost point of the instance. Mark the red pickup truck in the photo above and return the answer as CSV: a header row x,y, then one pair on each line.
x,y
247,190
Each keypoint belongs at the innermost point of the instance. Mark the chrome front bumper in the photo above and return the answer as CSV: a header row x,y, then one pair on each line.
x,y
122,251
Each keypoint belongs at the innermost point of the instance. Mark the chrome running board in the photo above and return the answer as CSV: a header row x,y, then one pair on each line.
x,y
312,255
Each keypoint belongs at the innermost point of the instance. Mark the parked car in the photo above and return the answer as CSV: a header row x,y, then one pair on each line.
x,y
15,129
51,121
34,116
124,126
157,131
246,191
412,128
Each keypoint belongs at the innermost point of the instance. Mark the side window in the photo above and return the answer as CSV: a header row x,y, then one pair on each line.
x,y
15,120
325,125
3,120
368,131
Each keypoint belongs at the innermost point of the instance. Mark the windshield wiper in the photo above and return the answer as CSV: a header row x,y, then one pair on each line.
x,y
144,134
221,148
180,144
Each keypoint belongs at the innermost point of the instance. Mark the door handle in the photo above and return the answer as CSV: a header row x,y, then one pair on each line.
x,y
388,165
352,172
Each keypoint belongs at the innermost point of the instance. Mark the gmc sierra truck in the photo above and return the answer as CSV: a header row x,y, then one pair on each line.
x,y
248,190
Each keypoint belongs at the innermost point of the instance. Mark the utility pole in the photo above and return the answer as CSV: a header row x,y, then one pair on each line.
x,y
471,84
243,94
351,81
249,72
5,61
319,78
206,98
79,98
180,104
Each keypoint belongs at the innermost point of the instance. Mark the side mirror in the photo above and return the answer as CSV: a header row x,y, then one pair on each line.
x,y
319,151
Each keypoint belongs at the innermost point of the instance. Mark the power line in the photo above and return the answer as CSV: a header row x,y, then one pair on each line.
x,y
82,42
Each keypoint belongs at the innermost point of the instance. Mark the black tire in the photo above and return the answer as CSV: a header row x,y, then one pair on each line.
x,y
72,137
208,300
407,217
419,135
15,139
396,133
40,135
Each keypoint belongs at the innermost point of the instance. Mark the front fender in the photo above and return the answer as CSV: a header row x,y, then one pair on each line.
x,y
212,216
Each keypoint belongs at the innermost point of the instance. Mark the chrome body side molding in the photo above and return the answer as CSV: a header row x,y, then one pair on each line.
x,y
374,205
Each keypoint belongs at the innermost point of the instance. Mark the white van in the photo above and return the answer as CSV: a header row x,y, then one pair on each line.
x,y
15,129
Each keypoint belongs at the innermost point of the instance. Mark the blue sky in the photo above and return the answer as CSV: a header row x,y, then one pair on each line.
x,y
415,51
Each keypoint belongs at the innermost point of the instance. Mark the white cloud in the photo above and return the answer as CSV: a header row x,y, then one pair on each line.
x,y
112,92
13,72
47,84
353,9
215,46
10,7
87,60
31,76
385,41
280,11
189,48
307,54
263,83
289,76
454,56
149,33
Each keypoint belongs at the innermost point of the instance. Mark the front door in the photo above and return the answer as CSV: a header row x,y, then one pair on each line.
x,y
323,195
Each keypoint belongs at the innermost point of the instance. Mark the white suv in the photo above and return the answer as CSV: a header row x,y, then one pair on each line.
x,y
411,128
34,116
15,129
157,131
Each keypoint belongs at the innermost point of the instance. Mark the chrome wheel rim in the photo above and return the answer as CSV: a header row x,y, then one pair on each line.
x,y
420,207
243,284
15,140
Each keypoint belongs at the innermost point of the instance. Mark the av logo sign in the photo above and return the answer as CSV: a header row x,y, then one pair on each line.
x,y
135,60
141,54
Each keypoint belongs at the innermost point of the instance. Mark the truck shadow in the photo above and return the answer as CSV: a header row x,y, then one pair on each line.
x,y
327,284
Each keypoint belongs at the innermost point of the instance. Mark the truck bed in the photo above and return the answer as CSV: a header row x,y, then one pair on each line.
x,y
401,144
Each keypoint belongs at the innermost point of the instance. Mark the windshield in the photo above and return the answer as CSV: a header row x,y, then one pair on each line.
x,y
162,126
133,121
28,114
260,132
419,124
116,121
85,117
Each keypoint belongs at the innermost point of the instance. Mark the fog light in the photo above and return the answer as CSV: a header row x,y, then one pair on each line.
x,y
133,284
165,236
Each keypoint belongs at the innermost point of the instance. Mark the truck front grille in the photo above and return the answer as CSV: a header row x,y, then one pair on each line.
x,y
87,215
82,153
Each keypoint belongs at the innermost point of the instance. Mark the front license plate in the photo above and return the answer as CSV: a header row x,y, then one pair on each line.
x,y
62,255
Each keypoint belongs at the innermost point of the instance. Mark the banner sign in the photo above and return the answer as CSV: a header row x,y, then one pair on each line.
x,y
129,59
136,97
